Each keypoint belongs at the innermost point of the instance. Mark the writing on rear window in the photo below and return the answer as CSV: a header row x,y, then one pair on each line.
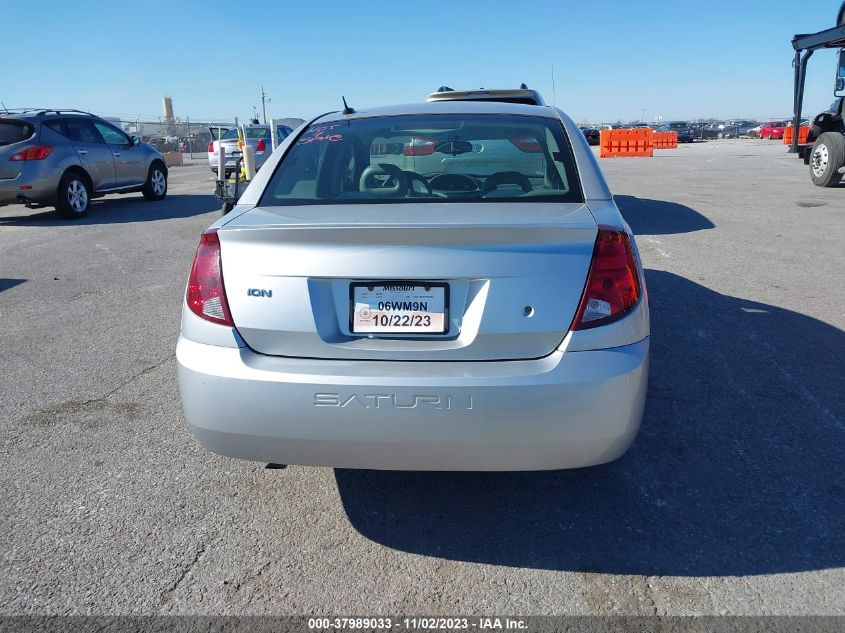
x,y
426,158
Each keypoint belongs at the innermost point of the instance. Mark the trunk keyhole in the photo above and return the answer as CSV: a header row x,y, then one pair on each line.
x,y
528,311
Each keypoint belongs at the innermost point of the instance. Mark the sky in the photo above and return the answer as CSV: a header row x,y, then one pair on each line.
x,y
612,60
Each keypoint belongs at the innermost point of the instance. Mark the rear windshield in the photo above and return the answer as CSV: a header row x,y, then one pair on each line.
x,y
427,158
15,132
678,125
251,132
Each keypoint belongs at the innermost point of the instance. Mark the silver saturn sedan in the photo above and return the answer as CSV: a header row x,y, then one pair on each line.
x,y
440,286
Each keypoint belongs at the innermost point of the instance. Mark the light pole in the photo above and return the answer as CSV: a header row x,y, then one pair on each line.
x,y
642,118
264,101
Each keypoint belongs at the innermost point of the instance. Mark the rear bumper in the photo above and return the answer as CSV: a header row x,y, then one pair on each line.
x,y
42,189
567,410
232,164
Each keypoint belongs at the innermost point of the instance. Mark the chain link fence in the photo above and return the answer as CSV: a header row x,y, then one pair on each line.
x,y
185,136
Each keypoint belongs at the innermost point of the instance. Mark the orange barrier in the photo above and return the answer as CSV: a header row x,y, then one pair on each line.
x,y
624,143
789,132
665,140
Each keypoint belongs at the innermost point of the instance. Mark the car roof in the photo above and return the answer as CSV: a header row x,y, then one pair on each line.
x,y
41,113
444,107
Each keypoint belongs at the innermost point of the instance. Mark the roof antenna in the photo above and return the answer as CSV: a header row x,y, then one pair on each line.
x,y
522,86
4,107
346,108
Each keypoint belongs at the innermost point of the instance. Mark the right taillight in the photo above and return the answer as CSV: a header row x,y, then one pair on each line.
x,y
613,283
206,295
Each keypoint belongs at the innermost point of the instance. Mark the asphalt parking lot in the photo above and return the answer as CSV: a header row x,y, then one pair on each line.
x,y
731,501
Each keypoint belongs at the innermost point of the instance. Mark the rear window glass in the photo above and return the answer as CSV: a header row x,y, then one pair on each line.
x,y
427,158
251,132
15,132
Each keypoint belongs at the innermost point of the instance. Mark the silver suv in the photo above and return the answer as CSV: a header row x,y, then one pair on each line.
x,y
64,158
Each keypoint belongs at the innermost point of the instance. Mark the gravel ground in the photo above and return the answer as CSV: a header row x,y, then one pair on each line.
x,y
732,500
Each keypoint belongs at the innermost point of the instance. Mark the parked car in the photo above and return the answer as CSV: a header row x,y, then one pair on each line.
x,y
685,132
393,297
773,129
739,128
258,136
592,135
709,130
66,158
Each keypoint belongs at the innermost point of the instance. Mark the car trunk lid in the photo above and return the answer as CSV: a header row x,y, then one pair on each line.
x,y
514,275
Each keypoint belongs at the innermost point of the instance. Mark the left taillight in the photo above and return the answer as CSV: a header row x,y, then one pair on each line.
x,y
613,283
260,146
206,295
39,152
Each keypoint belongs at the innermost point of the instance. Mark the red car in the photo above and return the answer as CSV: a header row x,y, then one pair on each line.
x,y
773,129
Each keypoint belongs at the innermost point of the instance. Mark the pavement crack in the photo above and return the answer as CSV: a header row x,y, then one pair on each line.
x,y
143,372
184,572
254,576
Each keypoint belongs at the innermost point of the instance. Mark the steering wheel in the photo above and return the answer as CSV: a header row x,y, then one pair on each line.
x,y
412,176
384,179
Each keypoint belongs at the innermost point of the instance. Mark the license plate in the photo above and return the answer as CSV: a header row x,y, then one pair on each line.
x,y
398,308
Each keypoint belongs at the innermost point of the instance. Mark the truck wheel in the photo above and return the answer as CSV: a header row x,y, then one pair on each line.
x,y
827,158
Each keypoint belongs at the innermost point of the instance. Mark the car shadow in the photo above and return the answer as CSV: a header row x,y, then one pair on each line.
x,y
5,283
738,467
660,217
116,210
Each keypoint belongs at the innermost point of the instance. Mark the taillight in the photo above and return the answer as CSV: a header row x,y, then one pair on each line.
x,y
419,147
206,295
211,147
260,146
39,152
527,144
613,283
